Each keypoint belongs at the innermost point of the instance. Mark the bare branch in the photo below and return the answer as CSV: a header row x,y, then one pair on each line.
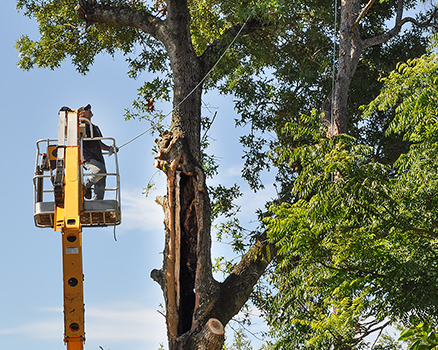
x,y
362,14
399,23
370,331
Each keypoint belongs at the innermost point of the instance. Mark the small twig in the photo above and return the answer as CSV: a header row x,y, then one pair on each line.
x,y
381,328
242,325
206,106
209,126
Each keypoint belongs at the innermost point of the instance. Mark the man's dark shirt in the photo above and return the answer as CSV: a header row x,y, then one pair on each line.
x,y
92,149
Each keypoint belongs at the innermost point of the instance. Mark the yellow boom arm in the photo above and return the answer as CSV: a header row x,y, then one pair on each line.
x,y
68,221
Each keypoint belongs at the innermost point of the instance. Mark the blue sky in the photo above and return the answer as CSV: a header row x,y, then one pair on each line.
x,y
120,298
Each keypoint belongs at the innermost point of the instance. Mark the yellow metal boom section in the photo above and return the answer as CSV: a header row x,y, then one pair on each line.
x,y
68,221
73,289
59,164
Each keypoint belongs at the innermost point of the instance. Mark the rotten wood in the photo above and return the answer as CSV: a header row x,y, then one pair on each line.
x,y
192,296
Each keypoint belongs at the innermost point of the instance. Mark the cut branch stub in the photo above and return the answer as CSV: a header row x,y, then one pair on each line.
x,y
211,337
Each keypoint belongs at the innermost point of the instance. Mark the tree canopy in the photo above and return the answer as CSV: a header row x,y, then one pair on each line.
x,y
357,248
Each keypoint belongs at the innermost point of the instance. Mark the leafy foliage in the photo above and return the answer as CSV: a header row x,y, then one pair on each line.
x,y
357,246
240,342
64,34
420,335
412,91
298,79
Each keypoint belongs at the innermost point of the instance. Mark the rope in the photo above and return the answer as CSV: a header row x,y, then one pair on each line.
x,y
194,89
139,135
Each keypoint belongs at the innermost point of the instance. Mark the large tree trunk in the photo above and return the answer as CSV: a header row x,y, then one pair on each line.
x,y
351,47
197,306
195,314
350,50
186,276
187,264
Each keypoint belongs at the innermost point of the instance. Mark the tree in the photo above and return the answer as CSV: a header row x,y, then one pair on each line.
x,y
301,137
182,40
240,342
357,247
356,34
300,80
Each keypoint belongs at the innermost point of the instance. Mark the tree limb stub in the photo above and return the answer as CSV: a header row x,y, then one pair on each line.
x,y
211,337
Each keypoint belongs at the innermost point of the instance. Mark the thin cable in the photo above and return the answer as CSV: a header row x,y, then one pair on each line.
x,y
139,135
200,82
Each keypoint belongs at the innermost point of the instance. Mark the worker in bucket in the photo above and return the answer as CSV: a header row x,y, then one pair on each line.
x,y
93,158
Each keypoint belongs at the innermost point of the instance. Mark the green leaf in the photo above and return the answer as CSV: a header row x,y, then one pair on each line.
x,y
406,334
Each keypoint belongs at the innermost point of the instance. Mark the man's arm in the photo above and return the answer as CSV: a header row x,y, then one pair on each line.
x,y
104,147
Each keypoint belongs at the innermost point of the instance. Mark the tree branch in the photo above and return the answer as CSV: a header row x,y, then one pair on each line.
x,y
379,328
362,14
424,233
237,287
378,335
352,269
93,12
214,50
399,23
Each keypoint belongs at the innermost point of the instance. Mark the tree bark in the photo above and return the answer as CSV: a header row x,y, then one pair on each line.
x,y
350,50
211,336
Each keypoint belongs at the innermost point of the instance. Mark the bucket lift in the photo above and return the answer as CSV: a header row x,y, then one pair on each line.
x,y
59,204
